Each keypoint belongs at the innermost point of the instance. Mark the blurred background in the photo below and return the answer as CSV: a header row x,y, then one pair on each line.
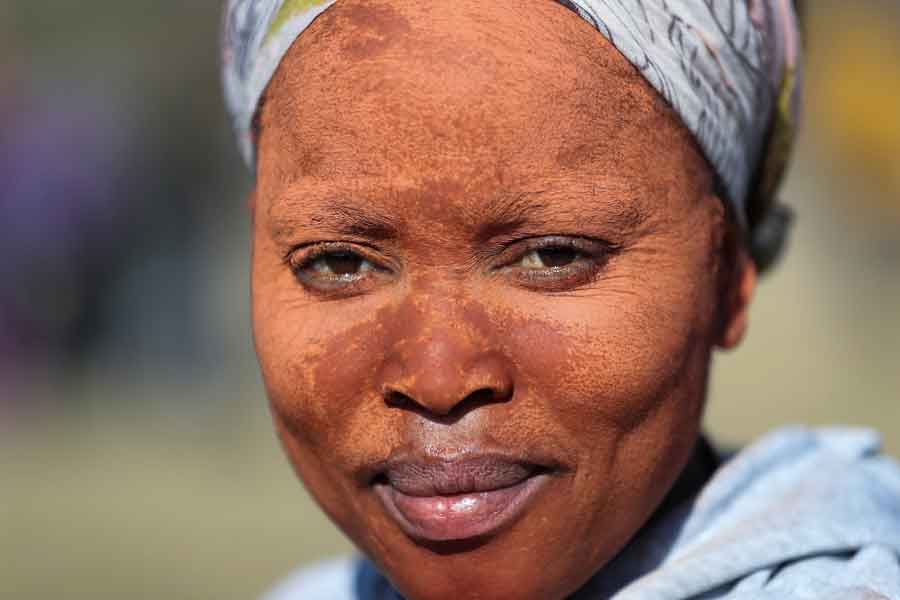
x,y
136,457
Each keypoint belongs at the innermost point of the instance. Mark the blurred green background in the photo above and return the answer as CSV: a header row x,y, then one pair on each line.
x,y
136,457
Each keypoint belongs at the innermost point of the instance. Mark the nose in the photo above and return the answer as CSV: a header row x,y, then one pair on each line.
x,y
445,371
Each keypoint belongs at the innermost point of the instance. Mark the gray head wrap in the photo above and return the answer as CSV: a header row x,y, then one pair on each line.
x,y
729,68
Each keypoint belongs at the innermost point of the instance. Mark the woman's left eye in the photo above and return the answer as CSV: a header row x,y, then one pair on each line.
x,y
550,257
556,263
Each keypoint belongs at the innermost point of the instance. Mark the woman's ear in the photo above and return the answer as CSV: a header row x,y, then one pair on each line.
x,y
736,300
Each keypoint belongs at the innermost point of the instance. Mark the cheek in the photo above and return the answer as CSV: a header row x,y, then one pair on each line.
x,y
609,357
319,363
622,370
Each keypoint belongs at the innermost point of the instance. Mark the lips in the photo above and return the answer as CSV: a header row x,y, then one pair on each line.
x,y
440,500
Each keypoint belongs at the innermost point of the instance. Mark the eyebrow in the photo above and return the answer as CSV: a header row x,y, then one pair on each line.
x,y
338,214
506,214
540,206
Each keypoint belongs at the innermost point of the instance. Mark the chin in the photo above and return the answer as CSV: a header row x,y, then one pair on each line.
x,y
518,562
493,571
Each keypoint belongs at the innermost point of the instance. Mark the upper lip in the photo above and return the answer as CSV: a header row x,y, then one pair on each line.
x,y
432,476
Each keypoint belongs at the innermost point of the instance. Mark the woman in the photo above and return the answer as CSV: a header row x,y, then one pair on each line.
x,y
495,246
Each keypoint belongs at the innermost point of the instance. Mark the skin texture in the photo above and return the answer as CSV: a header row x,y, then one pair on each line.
x,y
443,142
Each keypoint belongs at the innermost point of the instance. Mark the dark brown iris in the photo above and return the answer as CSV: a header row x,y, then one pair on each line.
x,y
557,256
343,263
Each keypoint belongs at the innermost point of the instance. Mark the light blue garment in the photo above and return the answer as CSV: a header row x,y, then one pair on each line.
x,y
802,514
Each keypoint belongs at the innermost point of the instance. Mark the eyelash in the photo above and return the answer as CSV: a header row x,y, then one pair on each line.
x,y
591,256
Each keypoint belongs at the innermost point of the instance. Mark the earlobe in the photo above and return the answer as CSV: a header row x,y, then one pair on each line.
x,y
740,293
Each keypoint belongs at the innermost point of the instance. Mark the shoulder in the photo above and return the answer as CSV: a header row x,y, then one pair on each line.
x,y
835,472
826,502
868,573
801,513
332,580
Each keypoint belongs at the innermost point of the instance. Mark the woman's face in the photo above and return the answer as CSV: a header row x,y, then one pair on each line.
x,y
486,285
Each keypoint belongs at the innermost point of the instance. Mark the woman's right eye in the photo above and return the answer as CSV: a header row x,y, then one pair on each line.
x,y
330,269
340,264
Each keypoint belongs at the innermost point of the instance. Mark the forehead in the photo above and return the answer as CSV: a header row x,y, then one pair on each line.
x,y
467,94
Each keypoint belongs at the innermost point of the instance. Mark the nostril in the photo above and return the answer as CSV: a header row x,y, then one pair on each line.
x,y
398,399
445,406
480,396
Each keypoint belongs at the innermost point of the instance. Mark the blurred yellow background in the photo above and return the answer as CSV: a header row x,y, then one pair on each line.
x,y
136,456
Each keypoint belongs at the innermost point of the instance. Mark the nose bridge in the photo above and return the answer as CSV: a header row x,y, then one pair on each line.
x,y
443,355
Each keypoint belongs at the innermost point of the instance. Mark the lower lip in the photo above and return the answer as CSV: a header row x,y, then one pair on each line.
x,y
459,517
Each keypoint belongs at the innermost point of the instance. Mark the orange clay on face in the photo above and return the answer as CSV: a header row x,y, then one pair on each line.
x,y
445,143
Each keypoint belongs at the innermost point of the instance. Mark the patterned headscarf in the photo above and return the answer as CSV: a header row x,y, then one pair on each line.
x,y
729,68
